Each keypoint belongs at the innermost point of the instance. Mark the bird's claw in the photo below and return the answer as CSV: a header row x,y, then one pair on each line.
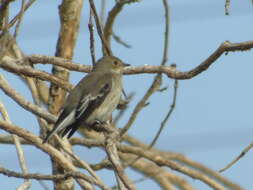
x,y
98,125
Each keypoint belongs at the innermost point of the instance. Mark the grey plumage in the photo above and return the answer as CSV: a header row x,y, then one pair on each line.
x,y
93,99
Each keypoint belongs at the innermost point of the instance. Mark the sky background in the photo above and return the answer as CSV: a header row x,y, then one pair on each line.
x,y
212,121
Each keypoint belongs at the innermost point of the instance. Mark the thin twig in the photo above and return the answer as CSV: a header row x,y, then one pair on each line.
x,y
158,79
161,161
170,71
114,12
67,64
245,150
83,164
21,14
92,45
16,18
163,124
122,111
4,15
20,152
163,62
102,12
153,88
24,103
50,150
120,41
112,153
10,65
106,48
43,185
38,176
227,7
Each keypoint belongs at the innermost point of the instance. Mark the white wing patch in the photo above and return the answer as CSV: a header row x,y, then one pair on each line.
x,y
67,121
83,105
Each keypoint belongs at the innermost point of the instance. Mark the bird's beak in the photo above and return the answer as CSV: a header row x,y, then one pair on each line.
x,y
126,65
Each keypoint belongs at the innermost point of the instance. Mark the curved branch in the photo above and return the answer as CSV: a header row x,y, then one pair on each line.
x,y
170,71
10,65
161,161
50,150
110,20
24,103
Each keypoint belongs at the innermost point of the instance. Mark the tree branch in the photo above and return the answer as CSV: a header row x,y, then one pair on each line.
x,y
170,71
10,65
48,149
24,103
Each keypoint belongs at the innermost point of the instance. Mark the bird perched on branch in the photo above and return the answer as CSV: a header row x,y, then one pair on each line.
x,y
93,99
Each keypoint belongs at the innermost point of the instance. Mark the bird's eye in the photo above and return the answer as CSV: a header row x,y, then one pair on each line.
x,y
115,62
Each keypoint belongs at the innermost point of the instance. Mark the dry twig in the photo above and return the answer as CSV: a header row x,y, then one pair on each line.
x,y
24,103
20,152
106,48
245,150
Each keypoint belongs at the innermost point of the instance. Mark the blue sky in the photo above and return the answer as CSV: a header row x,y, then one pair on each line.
x,y
212,121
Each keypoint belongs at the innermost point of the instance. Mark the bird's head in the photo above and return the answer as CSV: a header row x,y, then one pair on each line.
x,y
110,64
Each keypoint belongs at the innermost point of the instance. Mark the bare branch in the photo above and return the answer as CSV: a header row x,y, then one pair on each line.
x,y
44,59
20,152
92,49
120,41
21,13
83,164
161,161
157,79
172,107
170,71
245,150
153,88
112,153
24,103
38,176
164,178
106,48
17,17
108,29
10,65
7,139
50,150
227,7
182,159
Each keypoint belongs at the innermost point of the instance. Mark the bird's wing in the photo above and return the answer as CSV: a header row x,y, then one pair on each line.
x,y
89,102
92,99
80,95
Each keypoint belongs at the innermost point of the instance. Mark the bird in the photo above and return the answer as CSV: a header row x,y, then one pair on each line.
x,y
93,99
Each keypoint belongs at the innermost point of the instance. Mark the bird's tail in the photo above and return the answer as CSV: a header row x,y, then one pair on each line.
x,y
57,127
60,125
50,134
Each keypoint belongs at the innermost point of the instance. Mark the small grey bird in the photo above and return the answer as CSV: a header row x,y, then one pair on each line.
x,y
93,99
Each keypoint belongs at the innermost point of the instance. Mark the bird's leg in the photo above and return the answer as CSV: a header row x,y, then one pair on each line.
x,y
101,126
98,125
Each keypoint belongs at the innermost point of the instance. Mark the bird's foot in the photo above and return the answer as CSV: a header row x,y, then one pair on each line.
x,y
99,126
